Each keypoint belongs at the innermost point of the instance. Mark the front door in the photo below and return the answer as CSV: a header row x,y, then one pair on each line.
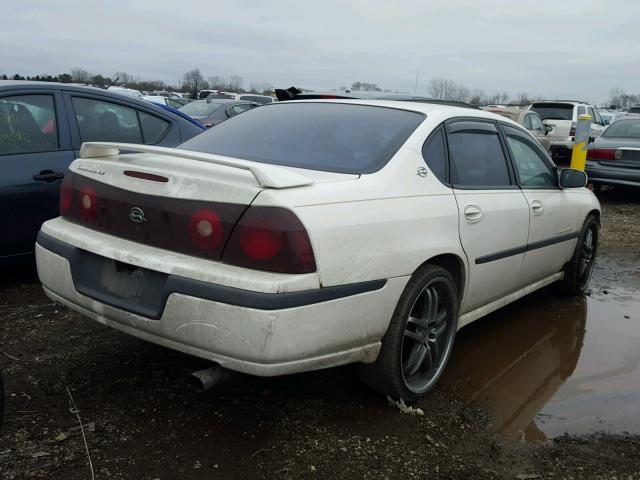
x,y
35,152
493,213
553,226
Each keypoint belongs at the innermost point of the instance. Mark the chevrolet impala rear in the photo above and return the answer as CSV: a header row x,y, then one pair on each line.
x,y
220,257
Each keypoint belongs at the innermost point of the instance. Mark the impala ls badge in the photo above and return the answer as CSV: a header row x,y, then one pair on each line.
x,y
136,215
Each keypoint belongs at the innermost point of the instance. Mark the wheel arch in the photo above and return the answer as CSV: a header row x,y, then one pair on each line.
x,y
453,264
596,213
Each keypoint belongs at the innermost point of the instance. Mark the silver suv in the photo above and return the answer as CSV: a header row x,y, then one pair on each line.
x,y
561,116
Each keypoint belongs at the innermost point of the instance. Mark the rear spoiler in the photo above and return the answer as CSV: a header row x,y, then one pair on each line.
x,y
268,176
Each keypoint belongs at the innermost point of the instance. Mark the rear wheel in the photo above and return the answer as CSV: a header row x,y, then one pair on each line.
x,y
420,337
577,272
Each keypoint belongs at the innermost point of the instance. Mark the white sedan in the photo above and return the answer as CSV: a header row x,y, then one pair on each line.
x,y
308,234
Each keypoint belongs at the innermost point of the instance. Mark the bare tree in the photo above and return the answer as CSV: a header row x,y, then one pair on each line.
x,y
80,76
523,99
477,97
123,78
194,82
235,82
462,94
443,88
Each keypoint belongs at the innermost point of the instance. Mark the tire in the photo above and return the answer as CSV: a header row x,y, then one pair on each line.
x,y
414,353
577,272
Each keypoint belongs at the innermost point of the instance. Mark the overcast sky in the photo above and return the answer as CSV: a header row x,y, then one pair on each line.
x,y
553,48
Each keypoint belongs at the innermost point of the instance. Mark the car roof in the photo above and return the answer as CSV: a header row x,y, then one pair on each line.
x,y
28,84
425,108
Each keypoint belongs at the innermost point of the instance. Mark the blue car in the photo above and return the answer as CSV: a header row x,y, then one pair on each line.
x,y
42,126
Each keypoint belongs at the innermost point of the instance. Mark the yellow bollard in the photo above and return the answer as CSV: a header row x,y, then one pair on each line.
x,y
581,142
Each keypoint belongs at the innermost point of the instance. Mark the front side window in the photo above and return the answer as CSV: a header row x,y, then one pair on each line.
x,y
532,169
477,157
27,124
536,123
597,119
100,121
435,155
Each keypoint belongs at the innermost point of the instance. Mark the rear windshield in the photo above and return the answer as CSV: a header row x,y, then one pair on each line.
x,y
623,129
332,137
200,108
553,111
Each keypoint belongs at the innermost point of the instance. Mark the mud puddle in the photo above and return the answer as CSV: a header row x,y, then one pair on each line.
x,y
546,365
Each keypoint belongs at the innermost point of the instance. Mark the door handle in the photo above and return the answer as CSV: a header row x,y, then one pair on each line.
x,y
472,213
48,176
537,207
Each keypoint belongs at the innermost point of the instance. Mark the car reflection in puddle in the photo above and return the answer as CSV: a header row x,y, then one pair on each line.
x,y
546,366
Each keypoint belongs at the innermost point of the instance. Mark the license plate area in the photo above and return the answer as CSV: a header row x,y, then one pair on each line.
x,y
119,284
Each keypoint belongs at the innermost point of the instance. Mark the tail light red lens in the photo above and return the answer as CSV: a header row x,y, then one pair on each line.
x,y
66,194
262,238
88,203
206,230
272,239
601,154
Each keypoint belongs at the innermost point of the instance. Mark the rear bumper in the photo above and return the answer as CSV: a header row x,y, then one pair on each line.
x,y
252,332
612,175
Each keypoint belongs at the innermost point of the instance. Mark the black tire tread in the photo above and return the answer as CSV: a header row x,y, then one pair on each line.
x,y
381,376
570,284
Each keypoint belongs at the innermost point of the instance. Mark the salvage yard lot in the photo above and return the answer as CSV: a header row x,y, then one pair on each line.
x,y
143,421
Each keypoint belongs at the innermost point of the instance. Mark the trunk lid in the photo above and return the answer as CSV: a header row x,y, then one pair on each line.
x,y
177,200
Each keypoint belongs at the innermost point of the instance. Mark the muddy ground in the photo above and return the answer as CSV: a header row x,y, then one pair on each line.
x,y
142,420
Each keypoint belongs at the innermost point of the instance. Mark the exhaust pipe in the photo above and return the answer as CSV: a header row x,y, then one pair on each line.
x,y
203,380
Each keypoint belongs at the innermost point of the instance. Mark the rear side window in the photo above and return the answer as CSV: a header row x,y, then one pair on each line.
x,y
106,122
153,128
27,124
100,121
553,111
435,155
333,137
477,156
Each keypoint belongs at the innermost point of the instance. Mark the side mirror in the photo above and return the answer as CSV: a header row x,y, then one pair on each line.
x,y
572,178
547,129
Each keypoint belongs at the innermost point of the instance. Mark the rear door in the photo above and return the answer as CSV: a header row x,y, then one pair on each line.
x,y
493,212
553,224
35,151
101,118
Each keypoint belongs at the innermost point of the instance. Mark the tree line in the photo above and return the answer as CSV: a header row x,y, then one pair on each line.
x,y
618,98
192,82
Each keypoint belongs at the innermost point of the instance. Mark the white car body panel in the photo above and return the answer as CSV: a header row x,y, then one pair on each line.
x,y
504,224
363,228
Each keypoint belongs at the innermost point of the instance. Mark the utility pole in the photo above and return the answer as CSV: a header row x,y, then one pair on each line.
x,y
415,89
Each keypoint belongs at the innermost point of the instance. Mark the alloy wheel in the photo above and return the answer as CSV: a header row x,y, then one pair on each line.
x,y
428,336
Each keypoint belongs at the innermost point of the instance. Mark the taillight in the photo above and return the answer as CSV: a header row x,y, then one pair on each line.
x,y
572,131
601,154
206,230
66,193
270,238
87,203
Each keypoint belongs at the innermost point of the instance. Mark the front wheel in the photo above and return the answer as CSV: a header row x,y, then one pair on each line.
x,y
420,337
577,272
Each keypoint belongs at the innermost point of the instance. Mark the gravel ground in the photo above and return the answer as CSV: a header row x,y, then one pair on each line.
x,y
142,420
